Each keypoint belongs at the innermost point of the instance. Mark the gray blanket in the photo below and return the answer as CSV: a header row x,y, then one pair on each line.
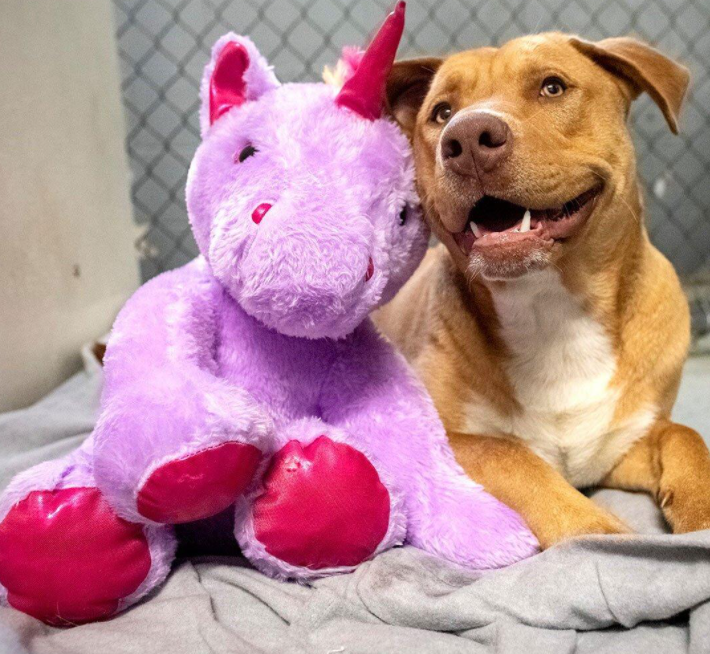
x,y
647,593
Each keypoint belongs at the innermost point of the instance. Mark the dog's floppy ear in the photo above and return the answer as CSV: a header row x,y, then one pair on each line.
x,y
643,69
407,85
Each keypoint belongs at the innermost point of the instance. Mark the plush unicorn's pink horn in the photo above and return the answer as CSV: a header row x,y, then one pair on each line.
x,y
364,92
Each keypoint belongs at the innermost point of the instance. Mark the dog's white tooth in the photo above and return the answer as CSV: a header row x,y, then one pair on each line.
x,y
525,225
475,230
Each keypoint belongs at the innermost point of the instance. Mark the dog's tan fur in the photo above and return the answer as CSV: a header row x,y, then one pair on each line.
x,y
559,369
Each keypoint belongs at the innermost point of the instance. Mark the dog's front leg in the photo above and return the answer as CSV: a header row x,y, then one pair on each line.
x,y
673,464
552,508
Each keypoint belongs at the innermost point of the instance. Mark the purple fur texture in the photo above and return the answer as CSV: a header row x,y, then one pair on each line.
x,y
265,337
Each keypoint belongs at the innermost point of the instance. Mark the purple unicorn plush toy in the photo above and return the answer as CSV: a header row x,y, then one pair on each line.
x,y
253,378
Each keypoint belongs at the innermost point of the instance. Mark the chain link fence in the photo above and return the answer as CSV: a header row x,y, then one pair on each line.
x,y
164,44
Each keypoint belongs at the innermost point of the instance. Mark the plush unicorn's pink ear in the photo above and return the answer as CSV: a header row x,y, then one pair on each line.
x,y
236,73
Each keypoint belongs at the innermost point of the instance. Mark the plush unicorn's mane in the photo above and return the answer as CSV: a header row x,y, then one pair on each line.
x,y
345,68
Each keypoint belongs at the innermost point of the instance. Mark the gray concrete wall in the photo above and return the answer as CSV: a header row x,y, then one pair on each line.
x,y
67,260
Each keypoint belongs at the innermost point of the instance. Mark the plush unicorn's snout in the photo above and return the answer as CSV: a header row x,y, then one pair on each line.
x,y
308,271
261,210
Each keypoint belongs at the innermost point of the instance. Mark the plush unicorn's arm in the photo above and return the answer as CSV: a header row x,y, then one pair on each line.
x,y
163,398
373,394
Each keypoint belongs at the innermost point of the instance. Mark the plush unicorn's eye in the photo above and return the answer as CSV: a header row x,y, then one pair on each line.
x,y
248,151
403,216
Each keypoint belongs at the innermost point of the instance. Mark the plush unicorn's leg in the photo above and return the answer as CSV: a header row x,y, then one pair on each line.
x,y
322,506
65,556
174,442
165,464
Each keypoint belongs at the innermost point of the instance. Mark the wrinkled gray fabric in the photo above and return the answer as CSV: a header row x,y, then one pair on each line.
x,y
613,595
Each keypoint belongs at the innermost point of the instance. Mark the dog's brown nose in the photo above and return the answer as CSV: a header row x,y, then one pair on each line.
x,y
478,142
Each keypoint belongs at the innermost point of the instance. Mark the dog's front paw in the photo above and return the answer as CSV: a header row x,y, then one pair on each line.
x,y
576,519
686,509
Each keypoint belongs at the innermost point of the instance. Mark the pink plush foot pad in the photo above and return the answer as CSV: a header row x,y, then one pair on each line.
x,y
323,506
67,558
200,485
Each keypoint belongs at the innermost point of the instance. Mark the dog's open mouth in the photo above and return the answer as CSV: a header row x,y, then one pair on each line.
x,y
492,221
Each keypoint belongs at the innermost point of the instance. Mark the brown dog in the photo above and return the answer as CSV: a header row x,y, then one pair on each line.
x,y
549,331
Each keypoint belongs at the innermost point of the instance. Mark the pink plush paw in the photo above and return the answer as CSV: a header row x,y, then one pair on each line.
x,y
198,486
67,558
323,506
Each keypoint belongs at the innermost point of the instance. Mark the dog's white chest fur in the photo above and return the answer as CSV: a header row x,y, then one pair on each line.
x,y
561,367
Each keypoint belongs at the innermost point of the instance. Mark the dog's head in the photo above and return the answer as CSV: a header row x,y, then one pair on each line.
x,y
520,149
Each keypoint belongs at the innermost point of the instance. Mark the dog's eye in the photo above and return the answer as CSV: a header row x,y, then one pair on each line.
x,y
442,112
248,151
553,87
403,216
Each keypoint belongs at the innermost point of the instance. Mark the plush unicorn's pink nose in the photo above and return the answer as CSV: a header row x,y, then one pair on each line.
x,y
260,212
